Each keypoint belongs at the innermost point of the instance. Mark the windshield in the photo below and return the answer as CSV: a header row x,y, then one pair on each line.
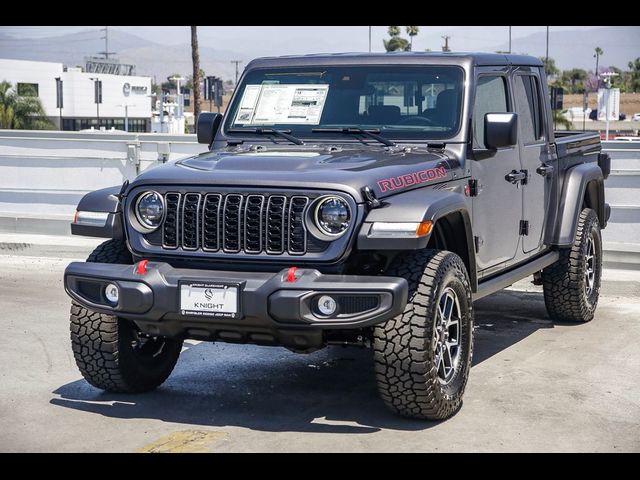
x,y
412,103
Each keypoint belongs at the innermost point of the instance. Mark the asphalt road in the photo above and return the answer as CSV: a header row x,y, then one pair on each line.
x,y
535,386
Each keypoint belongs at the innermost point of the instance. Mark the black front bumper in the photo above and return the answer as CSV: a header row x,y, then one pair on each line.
x,y
272,309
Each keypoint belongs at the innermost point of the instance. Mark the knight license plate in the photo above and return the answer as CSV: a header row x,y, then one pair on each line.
x,y
209,300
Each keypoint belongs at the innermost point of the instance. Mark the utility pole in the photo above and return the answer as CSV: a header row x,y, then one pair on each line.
x,y
509,39
547,54
237,62
106,52
369,39
445,47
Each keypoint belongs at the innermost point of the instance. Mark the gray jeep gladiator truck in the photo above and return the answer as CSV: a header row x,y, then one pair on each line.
x,y
349,199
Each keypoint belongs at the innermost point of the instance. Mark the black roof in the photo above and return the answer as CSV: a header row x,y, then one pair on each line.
x,y
408,58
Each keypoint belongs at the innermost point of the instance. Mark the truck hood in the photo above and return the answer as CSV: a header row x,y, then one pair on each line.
x,y
386,171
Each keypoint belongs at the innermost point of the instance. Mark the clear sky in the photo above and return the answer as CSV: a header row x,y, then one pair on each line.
x,y
344,38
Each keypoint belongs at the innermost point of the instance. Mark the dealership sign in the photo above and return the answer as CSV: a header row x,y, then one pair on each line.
x,y
127,89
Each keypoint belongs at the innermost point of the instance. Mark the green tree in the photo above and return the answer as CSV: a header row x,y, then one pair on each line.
x,y
21,112
412,32
634,80
396,43
574,79
559,118
550,66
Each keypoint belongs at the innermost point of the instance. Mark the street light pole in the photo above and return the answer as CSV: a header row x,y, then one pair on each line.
x,y
369,39
509,38
547,54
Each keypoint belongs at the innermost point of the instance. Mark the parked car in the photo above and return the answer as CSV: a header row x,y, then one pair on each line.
x,y
636,117
356,200
593,115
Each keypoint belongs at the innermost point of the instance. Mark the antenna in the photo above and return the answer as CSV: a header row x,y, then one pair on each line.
x,y
445,47
106,52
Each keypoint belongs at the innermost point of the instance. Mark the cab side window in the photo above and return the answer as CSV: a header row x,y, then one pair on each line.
x,y
526,92
491,97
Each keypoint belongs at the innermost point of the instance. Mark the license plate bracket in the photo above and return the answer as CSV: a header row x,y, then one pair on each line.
x,y
210,299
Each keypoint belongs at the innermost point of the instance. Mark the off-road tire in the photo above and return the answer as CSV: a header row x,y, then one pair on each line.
x,y
565,282
404,353
103,344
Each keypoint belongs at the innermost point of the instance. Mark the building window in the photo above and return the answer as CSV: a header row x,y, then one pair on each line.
x,y
27,89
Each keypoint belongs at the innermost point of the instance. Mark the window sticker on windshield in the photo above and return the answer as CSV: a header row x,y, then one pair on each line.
x,y
282,104
248,104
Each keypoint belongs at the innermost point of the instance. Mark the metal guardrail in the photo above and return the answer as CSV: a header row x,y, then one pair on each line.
x,y
43,175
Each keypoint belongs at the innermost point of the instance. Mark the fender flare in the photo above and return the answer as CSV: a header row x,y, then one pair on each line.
x,y
418,206
581,180
105,200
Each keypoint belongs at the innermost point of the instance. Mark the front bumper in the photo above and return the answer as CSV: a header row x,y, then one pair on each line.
x,y
272,310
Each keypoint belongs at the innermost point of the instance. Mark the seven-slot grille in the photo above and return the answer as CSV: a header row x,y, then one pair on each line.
x,y
234,223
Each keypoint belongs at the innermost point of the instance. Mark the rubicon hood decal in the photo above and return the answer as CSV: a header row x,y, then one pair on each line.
x,y
411,179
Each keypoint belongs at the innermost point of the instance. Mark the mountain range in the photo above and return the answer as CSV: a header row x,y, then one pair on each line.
x,y
570,49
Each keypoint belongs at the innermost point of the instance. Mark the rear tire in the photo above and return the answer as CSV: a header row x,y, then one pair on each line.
x,y
423,356
572,284
110,352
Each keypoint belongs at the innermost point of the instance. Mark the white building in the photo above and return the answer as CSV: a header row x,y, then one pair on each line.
x,y
122,96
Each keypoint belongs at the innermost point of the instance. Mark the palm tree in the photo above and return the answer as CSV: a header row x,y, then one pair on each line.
x,y
21,112
396,42
195,56
560,119
598,54
394,31
412,32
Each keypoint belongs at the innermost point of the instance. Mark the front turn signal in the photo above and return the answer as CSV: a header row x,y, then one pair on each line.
x,y
424,228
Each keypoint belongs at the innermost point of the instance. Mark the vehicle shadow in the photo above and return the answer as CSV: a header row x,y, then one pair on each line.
x,y
271,389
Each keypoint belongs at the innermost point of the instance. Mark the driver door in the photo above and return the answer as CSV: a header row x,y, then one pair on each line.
x,y
497,208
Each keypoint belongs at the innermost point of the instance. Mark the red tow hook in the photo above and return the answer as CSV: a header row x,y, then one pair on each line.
x,y
291,275
141,268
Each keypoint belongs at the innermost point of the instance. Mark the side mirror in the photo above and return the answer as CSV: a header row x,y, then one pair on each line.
x,y
207,127
500,130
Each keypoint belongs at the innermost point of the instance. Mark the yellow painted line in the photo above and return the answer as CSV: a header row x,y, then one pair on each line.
x,y
186,441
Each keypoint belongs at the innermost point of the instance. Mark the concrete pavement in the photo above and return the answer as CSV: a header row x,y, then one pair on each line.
x,y
535,386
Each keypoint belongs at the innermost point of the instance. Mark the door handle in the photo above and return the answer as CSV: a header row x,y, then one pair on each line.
x,y
516,177
544,170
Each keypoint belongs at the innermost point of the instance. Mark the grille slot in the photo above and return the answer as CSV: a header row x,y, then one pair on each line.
x,y
276,224
232,223
297,232
253,223
190,215
170,226
237,223
210,222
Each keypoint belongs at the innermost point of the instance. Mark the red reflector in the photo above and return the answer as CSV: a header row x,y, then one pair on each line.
x,y
141,269
291,274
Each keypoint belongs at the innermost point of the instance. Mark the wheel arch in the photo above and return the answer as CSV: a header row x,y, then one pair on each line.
x,y
583,186
452,231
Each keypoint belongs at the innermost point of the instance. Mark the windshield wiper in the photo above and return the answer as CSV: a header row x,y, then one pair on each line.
x,y
371,133
269,131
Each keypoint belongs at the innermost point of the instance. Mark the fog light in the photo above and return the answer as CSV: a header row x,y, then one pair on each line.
x,y
327,305
112,293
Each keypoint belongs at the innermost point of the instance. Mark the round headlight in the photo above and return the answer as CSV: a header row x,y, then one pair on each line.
x,y
332,216
150,210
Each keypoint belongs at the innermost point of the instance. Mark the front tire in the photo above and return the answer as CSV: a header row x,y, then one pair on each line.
x,y
111,353
423,356
572,284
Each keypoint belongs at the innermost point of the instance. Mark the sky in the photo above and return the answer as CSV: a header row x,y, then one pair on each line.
x,y
345,38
